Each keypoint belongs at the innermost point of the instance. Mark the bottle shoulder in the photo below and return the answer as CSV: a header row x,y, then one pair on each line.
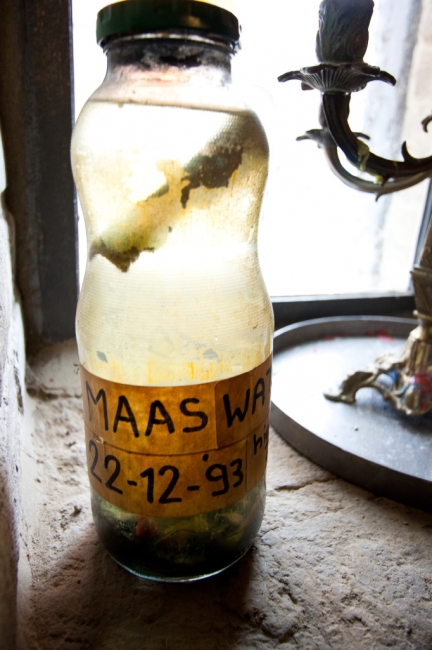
x,y
207,97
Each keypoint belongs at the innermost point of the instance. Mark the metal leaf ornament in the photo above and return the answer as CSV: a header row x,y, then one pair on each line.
x,y
343,30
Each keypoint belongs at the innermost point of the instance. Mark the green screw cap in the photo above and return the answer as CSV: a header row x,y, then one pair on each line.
x,y
143,16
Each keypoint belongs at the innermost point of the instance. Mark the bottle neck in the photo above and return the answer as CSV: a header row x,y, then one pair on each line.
x,y
169,59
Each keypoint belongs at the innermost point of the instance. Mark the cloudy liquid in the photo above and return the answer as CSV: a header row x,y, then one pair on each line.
x,y
172,294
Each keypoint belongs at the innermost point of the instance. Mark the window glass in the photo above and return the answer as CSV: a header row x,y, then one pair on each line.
x,y
317,236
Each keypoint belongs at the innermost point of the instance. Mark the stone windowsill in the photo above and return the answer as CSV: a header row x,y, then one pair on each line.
x,y
332,567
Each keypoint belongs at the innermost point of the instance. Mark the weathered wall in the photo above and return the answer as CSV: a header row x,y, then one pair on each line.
x,y
11,410
36,113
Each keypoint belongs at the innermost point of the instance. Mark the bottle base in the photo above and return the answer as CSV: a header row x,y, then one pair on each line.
x,y
179,579
184,549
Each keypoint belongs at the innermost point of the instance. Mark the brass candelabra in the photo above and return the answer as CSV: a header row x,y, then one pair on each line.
x,y
341,44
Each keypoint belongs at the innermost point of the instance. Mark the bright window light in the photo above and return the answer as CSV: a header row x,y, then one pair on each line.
x,y
317,236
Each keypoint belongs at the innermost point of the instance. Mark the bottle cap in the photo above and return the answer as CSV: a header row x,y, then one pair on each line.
x,y
143,16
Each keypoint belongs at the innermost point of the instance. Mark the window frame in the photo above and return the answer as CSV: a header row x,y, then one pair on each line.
x,y
36,116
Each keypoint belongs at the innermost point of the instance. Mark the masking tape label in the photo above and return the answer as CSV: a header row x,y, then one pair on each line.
x,y
177,451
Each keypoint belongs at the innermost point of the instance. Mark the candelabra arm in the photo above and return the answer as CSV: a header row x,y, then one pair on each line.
x,y
325,141
356,183
336,110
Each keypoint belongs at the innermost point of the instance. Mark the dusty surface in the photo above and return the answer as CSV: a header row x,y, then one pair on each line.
x,y
333,566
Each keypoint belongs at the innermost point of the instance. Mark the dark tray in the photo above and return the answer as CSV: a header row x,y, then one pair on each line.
x,y
368,443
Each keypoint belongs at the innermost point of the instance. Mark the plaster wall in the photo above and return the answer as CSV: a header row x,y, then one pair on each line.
x,y
11,416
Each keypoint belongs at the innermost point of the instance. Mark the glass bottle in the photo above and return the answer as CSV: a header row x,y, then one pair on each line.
x,y
174,324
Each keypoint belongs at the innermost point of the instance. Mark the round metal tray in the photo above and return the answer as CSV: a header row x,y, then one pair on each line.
x,y
368,443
